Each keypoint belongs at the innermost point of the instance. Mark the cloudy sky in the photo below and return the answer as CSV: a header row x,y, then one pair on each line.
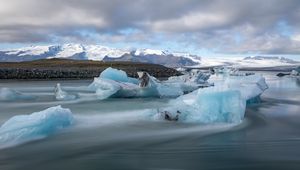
x,y
229,27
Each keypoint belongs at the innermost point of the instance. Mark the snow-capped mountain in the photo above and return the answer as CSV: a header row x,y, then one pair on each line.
x,y
97,53
270,58
247,62
163,57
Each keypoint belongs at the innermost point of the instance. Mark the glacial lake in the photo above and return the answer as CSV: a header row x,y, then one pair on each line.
x,y
113,134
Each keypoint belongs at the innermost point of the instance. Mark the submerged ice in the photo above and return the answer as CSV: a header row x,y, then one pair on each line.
x,y
24,128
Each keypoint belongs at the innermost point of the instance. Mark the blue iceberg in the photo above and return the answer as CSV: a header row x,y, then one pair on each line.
x,y
117,75
7,94
24,128
251,87
116,83
224,103
194,76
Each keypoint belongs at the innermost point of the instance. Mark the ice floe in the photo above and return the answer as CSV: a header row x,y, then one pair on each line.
x,y
7,94
224,103
24,128
116,83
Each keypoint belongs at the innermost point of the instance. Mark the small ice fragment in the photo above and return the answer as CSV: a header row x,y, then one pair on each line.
x,y
7,94
62,95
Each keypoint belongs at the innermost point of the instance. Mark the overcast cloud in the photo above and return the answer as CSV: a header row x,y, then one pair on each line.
x,y
224,26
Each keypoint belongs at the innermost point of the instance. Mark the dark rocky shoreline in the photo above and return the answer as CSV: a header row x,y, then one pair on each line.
x,y
49,69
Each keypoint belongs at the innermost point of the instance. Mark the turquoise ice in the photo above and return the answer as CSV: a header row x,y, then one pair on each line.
x,y
24,128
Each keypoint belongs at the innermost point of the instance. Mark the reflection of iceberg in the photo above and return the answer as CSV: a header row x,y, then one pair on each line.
x,y
116,83
7,94
222,103
23,128
62,95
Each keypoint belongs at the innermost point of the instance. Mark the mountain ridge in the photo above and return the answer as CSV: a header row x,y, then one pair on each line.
x,y
163,57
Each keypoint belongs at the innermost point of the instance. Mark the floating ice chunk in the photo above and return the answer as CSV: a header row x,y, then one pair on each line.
x,y
116,83
117,75
62,95
250,86
105,88
170,90
295,72
210,105
219,105
190,81
224,70
7,94
224,103
24,128
194,76
156,88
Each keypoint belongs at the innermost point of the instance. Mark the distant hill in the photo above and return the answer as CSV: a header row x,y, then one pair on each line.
x,y
76,69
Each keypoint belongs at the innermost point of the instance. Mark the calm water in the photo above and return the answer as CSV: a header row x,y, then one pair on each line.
x,y
114,134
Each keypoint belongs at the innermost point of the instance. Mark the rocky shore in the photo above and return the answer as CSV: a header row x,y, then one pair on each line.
x,y
75,69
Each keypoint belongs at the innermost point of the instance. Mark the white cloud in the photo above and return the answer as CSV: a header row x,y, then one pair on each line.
x,y
202,24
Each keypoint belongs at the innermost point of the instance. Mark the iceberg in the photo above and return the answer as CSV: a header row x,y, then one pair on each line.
x,y
194,76
106,88
24,128
117,75
229,71
116,83
250,87
296,72
209,105
225,70
62,95
224,103
7,94
189,82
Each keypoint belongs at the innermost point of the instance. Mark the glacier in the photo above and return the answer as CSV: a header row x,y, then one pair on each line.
x,y
224,103
7,94
23,128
